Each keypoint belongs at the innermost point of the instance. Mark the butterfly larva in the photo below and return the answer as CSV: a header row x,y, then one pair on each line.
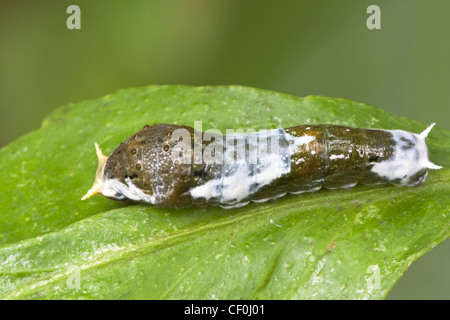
x,y
158,165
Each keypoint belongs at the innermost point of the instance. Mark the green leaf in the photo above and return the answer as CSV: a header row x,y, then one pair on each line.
x,y
332,244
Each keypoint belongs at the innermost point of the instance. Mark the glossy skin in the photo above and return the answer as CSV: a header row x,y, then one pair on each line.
x,y
143,168
146,159
339,156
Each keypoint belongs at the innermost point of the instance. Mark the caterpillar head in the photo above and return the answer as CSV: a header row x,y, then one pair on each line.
x,y
142,169
117,177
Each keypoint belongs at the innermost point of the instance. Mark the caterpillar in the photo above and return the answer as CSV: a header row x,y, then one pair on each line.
x,y
176,166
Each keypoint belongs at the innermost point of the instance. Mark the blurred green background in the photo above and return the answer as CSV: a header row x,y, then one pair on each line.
x,y
297,47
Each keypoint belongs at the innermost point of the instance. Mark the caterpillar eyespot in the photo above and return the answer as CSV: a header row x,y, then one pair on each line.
x,y
175,166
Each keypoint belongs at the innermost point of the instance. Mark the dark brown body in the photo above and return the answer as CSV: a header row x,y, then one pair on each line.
x,y
342,156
